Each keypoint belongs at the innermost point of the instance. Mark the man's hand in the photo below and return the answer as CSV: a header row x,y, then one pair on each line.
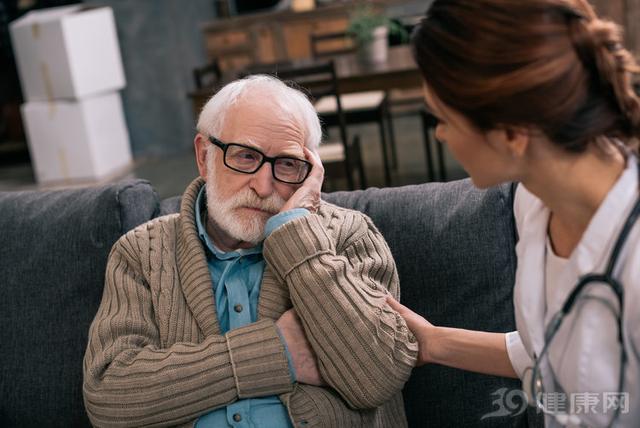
x,y
304,359
308,194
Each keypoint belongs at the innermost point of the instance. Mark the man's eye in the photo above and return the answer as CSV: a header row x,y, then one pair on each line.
x,y
247,155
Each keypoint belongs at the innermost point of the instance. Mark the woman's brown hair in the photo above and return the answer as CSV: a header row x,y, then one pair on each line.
x,y
551,64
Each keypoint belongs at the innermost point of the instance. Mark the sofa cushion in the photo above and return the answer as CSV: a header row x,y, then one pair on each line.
x,y
53,256
454,249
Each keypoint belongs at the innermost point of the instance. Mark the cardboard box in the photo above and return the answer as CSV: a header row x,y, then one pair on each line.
x,y
67,52
77,140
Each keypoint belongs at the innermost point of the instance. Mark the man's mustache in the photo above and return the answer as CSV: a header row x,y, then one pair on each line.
x,y
248,199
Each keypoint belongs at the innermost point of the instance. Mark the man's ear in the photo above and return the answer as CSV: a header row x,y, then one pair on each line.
x,y
510,140
201,145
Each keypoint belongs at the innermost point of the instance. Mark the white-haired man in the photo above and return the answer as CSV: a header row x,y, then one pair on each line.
x,y
258,305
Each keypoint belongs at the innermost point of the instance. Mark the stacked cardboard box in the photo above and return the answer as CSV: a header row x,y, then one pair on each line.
x,y
71,71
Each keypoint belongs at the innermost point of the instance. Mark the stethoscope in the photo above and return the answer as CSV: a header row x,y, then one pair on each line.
x,y
536,387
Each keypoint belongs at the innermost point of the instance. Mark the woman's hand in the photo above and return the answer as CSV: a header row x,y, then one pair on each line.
x,y
475,351
422,329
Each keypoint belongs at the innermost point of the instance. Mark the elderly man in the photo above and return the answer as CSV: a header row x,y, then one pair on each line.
x,y
258,304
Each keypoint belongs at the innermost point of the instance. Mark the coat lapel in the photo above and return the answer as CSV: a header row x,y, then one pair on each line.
x,y
529,298
192,265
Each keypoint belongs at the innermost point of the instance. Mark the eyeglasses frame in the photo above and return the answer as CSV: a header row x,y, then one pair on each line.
x,y
265,159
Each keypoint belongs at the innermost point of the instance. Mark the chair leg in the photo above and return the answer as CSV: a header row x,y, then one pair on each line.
x,y
349,175
358,157
385,157
392,135
426,131
441,165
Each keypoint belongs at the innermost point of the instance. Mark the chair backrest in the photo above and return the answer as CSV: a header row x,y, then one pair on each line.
x,y
316,79
331,44
207,76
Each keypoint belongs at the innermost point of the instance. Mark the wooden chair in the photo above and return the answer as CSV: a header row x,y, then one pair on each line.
x,y
429,123
410,102
207,76
359,107
341,158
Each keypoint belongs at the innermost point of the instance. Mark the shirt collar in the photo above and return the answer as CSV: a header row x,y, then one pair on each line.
x,y
601,233
201,212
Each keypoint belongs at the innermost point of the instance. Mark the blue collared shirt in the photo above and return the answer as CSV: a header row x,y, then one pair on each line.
x,y
236,277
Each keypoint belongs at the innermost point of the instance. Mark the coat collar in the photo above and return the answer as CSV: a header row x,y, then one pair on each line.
x,y
529,298
195,277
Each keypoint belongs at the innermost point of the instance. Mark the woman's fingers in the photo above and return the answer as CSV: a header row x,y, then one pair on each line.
x,y
419,326
397,306
413,320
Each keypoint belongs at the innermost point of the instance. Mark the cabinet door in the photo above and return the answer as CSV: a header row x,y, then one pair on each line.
x,y
225,40
265,45
233,49
297,34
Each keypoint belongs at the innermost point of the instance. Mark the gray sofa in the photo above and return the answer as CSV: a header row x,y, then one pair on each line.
x,y
453,244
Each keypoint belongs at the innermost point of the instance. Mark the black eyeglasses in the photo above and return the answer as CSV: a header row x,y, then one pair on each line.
x,y
248,160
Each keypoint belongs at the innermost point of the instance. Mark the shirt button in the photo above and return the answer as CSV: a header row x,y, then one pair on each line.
x,y
237,417
238,308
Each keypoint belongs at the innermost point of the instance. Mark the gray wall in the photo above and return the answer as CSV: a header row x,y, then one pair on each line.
x,y
161,43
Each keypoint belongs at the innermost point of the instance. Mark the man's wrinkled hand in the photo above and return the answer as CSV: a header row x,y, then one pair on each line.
x,y
308,194
303,358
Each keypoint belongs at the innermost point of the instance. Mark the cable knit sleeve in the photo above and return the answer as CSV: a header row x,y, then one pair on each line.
x,y
339,276
130,379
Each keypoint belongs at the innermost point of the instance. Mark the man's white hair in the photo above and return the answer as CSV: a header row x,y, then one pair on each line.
x,y
289,100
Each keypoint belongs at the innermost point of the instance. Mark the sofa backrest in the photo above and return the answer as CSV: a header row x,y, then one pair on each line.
x,y
53,253
454,248
453,245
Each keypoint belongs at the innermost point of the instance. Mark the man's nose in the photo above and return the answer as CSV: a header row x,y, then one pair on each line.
x,y
262,181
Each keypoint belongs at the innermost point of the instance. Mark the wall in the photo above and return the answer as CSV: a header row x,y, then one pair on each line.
x,y
161,43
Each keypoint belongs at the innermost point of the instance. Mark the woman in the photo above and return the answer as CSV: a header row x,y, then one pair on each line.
x,y
539,92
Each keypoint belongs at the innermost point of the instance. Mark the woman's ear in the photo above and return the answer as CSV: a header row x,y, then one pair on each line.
x,y
510,141
201,144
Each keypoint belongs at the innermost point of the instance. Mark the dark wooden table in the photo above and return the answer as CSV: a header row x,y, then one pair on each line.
x,y
398,72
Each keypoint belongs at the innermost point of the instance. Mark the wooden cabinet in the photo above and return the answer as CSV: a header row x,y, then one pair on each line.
x,y
274,36
298,34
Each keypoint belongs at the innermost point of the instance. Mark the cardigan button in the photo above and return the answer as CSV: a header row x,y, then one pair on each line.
x,y
238,308
237,417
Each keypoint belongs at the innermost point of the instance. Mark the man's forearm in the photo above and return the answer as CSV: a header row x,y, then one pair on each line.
x,y
366,351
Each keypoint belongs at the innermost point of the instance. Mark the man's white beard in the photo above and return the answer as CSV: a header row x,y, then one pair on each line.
x,y
244,226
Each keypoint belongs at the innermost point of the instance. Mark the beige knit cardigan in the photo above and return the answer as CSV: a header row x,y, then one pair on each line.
x,y
156,356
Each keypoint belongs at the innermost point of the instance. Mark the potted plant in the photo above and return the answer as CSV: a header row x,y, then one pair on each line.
x,y
370,30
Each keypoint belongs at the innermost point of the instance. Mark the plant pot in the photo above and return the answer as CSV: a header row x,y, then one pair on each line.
x,y
376,50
